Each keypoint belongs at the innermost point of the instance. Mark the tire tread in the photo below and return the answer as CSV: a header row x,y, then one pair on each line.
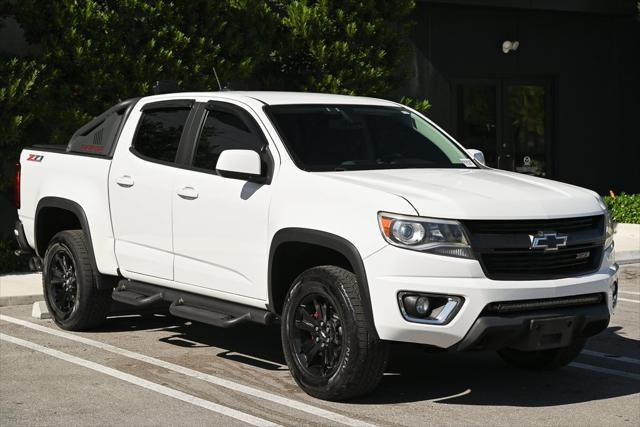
x,y
372,353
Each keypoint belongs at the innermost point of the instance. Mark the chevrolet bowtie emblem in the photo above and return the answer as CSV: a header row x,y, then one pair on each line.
x,y
550,241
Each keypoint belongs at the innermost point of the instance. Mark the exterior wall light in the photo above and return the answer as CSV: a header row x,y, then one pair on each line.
x,y
510,46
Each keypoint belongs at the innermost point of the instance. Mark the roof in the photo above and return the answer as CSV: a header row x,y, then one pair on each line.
x,y
281,98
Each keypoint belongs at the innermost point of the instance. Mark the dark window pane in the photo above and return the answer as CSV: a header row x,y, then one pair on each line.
x,y
341,137
477,119
527,128
159,133
223,131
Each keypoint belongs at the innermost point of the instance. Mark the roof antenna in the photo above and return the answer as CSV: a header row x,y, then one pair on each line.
x,y
217,79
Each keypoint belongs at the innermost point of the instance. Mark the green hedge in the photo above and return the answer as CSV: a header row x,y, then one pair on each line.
x,y
92,53
624,207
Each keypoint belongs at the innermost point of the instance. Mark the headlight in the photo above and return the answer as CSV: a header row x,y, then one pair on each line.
x,y
609,229
609,226
439,236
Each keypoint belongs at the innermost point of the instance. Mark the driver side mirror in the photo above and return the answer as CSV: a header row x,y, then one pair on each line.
x,y
477,155
239,164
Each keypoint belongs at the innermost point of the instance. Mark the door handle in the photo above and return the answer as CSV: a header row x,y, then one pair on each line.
x,y
188,193
125,181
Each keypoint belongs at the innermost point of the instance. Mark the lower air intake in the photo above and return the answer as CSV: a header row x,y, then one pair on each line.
x,y
510,307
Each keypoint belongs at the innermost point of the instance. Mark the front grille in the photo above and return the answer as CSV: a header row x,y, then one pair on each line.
x,y
503,247
562,225
562,263
512,307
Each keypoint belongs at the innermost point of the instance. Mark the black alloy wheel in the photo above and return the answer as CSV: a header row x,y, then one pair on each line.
x,y
317,335
63,295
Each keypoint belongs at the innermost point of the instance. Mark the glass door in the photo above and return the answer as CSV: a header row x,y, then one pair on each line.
x,y
525,137
478,119
509,121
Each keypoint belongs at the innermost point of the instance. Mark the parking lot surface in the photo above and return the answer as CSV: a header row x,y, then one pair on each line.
x,y
154,369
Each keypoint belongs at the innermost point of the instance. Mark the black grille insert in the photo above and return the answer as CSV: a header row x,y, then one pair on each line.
x,y
562,263
562,225
504,247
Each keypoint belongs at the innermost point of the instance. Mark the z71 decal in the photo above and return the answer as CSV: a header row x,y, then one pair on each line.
x,y
35,157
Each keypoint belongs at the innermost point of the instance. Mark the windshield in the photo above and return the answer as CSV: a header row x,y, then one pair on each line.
x,y
324,138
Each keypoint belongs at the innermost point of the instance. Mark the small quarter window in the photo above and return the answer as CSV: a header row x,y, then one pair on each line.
x,y
159,133
223,130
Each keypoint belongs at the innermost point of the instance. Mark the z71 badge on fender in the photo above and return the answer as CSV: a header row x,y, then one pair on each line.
x,y
35,157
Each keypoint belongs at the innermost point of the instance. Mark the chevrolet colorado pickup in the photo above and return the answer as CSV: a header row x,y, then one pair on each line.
x,y
353,222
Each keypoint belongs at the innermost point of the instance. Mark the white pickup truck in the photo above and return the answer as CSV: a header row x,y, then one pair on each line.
x,y
353,222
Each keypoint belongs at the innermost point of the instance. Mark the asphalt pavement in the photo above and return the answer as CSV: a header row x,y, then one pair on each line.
x,y
154,369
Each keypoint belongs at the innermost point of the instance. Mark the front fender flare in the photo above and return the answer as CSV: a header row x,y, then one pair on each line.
x,y
333,242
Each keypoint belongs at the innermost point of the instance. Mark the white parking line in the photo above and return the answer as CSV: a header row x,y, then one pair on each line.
x,y
605,370
176,394
629,300
611,357
629,292
294,404
441,399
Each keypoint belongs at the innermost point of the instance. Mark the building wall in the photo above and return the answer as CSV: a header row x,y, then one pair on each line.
x,y
591,59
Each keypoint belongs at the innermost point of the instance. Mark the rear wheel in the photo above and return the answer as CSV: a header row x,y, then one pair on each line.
x,y
325,338
543,359
69,284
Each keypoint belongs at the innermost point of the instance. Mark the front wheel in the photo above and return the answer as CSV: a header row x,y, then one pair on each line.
x,y
543,359
325,339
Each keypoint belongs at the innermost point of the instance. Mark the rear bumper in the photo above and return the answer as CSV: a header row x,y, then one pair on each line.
x,y
23,246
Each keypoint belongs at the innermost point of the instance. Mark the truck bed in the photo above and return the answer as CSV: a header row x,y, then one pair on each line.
x,y
50,172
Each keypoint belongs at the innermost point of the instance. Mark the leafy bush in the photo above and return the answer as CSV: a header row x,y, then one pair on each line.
x,y
624,207
9,263
94,53
18,78
421,105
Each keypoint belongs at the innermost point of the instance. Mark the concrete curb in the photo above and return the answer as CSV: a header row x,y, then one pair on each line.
x,y
20,289
20,300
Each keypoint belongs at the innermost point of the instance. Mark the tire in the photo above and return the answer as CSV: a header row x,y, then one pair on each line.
x,y
351,362
69,283
542,360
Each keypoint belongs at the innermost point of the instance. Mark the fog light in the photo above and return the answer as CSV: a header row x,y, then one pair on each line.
x,y
422,305
433,309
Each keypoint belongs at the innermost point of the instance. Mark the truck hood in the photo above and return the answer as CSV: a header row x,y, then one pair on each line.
x,y
478,193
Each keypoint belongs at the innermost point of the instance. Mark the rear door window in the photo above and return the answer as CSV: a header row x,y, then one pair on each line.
x,y
159,133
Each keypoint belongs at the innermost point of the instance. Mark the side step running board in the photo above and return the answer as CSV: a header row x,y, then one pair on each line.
x,y
191,306
198,314
135,299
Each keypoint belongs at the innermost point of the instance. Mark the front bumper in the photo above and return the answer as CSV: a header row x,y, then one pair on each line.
x,y
392,270
536,330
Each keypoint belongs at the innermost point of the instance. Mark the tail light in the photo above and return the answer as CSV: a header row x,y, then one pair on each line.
x,y
17,187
